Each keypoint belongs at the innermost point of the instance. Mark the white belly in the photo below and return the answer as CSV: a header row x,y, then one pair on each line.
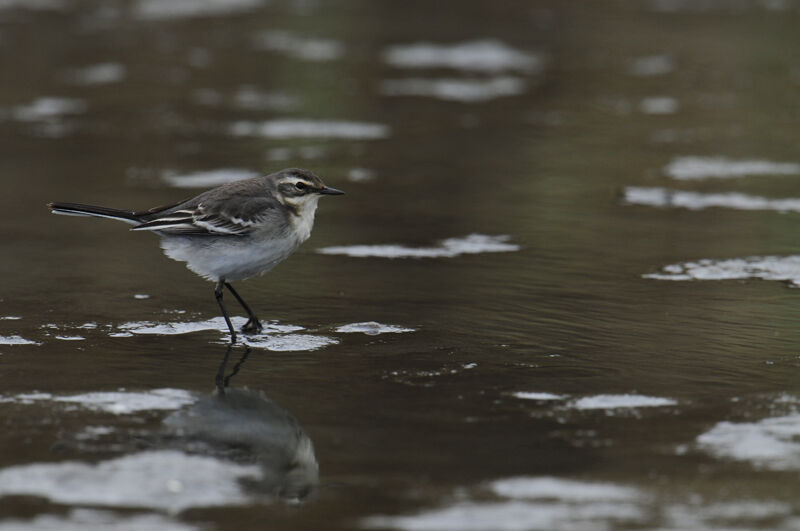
x,y
228,258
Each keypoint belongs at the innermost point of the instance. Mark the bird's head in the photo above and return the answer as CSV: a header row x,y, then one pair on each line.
x,y
299,188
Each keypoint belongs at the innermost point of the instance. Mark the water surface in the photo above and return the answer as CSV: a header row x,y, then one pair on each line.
x,y
559,293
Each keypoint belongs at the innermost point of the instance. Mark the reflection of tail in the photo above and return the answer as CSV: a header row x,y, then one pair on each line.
x,y
77,209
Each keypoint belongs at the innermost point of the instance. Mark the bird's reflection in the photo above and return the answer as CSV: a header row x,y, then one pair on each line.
x,y
245,426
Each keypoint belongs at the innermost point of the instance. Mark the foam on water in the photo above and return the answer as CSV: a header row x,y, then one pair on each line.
x,y
290,342
564,489
216,323
652,65
48,108
782,268
533,395
34,5
26,398
277,337
665,197
449,248
693,168
93,432
299,47
176,9
772,443
529,503
372,328
552,503
472,56
360,175
164,480
98,74
95,520
627,401
16,340
659,105
116,402
462,90
251,98
209,178
307,128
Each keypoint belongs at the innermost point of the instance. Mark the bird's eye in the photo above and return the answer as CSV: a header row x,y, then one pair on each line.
x,y
300,185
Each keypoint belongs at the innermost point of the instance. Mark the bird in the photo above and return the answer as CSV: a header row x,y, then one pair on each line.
x,y
229,233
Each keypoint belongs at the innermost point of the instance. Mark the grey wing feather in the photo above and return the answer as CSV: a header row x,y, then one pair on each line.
x,y
237,216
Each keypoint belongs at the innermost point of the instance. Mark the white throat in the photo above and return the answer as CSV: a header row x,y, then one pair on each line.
x,y
303,222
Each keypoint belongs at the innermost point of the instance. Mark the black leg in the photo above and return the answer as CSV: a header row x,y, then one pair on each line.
x,y
218,295
220,380
223,382
253,324
238,365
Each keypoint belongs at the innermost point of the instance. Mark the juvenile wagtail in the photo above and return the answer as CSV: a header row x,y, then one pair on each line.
x,y
232,232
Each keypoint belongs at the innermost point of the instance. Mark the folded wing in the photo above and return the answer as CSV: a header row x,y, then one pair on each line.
x,y
230,218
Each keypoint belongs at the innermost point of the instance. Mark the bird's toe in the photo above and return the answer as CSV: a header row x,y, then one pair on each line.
x,y
252,327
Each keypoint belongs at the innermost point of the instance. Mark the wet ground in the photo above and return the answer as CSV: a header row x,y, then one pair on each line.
x,y
559,293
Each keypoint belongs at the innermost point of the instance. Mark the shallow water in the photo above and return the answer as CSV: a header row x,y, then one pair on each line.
x,y
559,293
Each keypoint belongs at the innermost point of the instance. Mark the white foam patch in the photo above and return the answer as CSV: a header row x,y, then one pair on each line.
x,y
472,56
659,105
652,65
125,402
771,444
627,401
95,520
93,432
693,168
277,337
513,516
116,402
70,338
216,323
98,74
251,98
34,5
530,503
360,175
300,128
533,395
550,503
667,198
462,90
372,328
162,480
176,9
449,248
10,318
781,268
290,342
299,47
48,108
209,178
17,340
562,489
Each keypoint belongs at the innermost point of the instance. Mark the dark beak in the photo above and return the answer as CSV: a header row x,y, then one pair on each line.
x,y
327,190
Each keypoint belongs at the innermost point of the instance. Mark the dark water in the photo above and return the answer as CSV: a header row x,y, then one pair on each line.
x,y
535,377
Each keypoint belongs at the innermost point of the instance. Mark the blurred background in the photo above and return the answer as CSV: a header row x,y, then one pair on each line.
x,y
558,293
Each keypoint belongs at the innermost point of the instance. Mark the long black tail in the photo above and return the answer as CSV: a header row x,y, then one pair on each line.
x,y
77,209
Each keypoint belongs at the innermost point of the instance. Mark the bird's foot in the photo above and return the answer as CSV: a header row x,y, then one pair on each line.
x,y
253,326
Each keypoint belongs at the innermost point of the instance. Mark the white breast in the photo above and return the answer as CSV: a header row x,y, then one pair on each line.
x,y
304,221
